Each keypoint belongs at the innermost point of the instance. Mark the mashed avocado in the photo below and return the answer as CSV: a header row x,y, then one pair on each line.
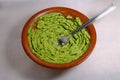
x,y
43,35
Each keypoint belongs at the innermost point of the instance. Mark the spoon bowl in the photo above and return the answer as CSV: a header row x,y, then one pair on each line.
x,y
91,30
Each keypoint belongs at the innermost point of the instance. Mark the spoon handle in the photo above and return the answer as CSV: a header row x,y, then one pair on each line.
x,y
100,15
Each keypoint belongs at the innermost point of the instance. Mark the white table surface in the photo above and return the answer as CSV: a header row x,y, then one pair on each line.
x,y
103,63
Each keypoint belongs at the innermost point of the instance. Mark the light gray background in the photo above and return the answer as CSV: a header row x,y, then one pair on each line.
x,y
103,64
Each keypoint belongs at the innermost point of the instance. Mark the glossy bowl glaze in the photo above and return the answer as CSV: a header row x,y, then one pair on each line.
x,y
65,11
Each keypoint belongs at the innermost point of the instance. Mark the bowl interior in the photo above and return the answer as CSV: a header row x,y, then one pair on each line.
x,y
65,11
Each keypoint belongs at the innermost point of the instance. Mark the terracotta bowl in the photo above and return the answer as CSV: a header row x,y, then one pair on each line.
x,y
66,11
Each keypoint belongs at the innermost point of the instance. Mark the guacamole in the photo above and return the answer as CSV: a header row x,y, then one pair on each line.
x,y
44,32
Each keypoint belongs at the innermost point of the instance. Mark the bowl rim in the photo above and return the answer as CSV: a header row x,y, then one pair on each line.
x,y
91,30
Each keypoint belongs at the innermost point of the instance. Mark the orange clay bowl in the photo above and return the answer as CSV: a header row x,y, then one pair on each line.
x,y
66,11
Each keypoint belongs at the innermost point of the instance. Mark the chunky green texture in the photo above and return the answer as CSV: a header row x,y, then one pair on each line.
x,y
49,28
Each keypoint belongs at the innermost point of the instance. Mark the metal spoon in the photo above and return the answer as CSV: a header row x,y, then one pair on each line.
x,y
64,39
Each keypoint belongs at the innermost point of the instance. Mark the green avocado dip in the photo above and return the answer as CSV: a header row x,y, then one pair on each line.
x,y
44,32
